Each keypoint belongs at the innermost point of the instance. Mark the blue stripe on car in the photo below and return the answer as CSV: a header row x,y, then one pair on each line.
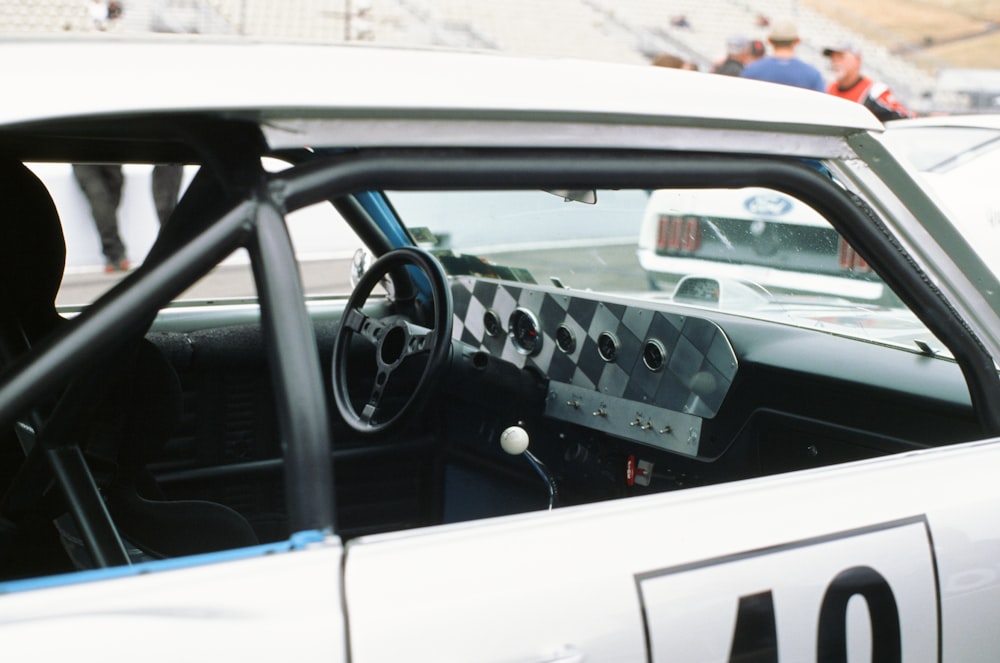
x,y
297,541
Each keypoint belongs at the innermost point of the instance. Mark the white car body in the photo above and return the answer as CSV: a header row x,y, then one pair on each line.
x,y
678,576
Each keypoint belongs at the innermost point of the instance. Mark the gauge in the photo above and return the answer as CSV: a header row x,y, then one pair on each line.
x,y
565,339
523,329
607,346
491,323
654,354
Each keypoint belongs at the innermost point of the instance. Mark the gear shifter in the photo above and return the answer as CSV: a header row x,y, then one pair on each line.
x,y
514,440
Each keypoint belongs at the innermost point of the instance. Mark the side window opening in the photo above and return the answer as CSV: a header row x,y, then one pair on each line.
x,y
324,243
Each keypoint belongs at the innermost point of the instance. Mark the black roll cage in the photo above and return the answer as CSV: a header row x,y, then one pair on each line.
x,y
247,211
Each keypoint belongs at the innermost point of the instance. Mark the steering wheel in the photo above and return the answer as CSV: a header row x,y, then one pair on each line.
x,y
398,342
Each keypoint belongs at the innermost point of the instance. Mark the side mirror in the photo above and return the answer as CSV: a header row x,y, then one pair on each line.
x,y
360,263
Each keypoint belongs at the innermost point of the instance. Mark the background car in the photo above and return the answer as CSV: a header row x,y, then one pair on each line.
x,y
703,231
956,156
722,232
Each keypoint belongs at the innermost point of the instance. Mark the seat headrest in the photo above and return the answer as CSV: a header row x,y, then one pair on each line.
x,y
32,248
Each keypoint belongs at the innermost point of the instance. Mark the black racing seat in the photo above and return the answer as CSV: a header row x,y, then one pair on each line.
x,y
134,401
158,526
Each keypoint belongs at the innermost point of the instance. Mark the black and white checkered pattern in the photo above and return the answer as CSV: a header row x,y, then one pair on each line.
x,y
700,363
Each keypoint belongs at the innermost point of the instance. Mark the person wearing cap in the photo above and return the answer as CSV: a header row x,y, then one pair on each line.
x,y
845,60
737,56
782,66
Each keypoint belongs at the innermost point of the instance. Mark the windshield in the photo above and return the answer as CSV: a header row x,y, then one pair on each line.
x,y
752,251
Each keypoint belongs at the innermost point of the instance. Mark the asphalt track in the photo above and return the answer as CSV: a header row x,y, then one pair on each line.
x,y
611,267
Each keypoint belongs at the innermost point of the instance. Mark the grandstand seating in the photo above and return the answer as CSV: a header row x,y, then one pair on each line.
x,y
611,30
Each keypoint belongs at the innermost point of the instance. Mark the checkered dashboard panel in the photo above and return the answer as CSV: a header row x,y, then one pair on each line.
x,y
623,351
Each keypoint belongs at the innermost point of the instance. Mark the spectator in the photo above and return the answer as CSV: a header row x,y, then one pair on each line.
x,y
104,13
782,66
848,83
102,185
166,184
737,57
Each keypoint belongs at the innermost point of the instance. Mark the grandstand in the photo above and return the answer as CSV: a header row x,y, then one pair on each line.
x,y
629,31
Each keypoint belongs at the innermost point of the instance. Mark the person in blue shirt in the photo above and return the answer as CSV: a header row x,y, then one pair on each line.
x,y
782,66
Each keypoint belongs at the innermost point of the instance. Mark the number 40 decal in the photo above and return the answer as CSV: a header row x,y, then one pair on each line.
x,y
756,639
800,601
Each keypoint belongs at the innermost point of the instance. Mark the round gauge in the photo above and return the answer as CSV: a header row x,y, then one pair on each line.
x,y
523,329
491,323
654,355
607,346
565,339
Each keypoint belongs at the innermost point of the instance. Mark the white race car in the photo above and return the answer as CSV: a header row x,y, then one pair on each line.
x,y
486,437
955,158
754,233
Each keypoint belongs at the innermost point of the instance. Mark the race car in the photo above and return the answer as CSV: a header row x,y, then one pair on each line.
x,y
765,235
468,428
954,156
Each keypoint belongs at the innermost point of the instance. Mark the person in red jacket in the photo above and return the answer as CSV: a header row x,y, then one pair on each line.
x,y
848,83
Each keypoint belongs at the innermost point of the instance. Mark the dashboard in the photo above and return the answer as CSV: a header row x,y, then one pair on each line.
x,y
623,369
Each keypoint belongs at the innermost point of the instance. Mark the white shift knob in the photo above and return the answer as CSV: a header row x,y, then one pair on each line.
x,y
514,440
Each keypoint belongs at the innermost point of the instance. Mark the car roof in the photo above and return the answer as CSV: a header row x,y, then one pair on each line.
x,y
79,77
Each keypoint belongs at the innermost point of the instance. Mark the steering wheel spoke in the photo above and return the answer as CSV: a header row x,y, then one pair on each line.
x,y
368,412
363,325
420,340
